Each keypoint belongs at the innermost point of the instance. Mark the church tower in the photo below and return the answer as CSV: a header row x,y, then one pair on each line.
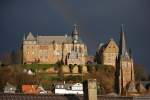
x,y
124,66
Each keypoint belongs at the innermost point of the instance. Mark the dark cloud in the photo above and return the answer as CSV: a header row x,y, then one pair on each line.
x,y
99,21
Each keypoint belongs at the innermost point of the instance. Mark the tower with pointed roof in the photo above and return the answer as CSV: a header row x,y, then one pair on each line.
x,y
75,33
29,48
124,66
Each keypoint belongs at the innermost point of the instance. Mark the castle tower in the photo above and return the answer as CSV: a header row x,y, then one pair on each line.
x,y
124,67
29,48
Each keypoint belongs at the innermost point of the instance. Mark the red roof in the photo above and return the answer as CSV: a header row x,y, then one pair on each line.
x,y
30,89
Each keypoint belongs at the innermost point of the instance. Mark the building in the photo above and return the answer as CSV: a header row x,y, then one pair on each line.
x,y
9,88
76,88
108,53
124,68
51,49
33,89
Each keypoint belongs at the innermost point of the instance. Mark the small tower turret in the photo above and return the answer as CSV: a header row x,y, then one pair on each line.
x,y
75,33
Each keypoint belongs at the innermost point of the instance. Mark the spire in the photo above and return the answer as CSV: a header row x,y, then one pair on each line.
x,y
122,46
122,28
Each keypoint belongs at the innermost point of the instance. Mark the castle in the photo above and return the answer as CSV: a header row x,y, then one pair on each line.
x,y
51,49
72,50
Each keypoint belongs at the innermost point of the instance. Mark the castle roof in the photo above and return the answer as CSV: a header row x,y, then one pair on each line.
x,y
56,39
51,39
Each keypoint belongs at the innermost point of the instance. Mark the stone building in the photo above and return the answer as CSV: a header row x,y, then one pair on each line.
x,y
121,59
108,53
51,49
124,68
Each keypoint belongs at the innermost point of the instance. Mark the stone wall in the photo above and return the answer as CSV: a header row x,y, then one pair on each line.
x,y
64,97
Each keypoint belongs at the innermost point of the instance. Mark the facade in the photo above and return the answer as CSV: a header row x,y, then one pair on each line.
x,y
51,49
108,53
124,68
69,88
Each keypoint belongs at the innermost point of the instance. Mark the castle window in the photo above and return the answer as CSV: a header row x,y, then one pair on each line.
x,y
33,52
80,49
28,53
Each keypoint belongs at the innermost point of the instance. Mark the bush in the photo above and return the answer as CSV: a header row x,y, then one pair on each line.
x,y
35,67
72,78
71,67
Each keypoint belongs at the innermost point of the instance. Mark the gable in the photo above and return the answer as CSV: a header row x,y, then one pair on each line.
x,y
111,47
30,36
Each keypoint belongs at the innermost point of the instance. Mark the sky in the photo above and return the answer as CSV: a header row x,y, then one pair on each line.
x,y
99,21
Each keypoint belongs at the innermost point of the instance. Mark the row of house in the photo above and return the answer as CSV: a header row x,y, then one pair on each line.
x,y
76,88
61,88
66,88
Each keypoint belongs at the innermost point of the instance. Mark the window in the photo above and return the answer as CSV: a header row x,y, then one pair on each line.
x,y
33,53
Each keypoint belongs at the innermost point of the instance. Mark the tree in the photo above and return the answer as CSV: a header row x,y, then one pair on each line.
x,y
71,67
58,66
140,73
97,58
91,68
6,59
105,76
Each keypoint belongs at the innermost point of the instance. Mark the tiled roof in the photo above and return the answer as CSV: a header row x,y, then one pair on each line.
x,y
57,39
51,39
29,89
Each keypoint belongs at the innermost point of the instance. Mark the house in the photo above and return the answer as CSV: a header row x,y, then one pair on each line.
x,y
9,88
33,89
108,53
69,88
